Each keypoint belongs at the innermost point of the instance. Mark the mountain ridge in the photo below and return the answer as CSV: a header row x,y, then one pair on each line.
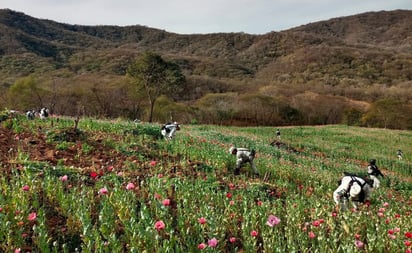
x,y
47,38
363,57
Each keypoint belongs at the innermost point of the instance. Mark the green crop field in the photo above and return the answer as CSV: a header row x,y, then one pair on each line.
x,y
118,186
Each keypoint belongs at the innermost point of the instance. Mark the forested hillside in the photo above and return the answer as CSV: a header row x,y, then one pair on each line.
x,y
355,70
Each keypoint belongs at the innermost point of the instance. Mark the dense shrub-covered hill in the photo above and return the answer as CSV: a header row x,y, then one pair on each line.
x,y
355,60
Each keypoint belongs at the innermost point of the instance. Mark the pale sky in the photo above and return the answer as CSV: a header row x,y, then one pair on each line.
x,y
200,16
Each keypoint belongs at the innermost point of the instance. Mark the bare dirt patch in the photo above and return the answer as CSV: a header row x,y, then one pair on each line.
x,y
36,147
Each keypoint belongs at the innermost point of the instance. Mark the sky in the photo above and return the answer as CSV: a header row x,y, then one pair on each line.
x,y
200,16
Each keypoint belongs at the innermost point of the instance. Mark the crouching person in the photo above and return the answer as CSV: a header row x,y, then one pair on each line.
x,y
374,172
44,113
243,155
30,114
169,130
399,153
353,189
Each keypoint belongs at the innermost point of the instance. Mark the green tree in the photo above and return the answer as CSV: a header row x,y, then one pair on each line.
x,y
156,76
352,116
388,113
218,108
25,93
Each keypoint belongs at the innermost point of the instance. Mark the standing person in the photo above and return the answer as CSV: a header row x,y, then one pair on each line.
x,y
354,189
399,154
243,155
169,130
278,134
374,172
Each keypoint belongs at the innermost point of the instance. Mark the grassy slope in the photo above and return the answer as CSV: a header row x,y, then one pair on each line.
x,y
335,147
302,175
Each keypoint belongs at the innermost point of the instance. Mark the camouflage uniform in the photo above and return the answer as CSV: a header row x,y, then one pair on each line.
x,y
169,130
243,155
352,188
374,172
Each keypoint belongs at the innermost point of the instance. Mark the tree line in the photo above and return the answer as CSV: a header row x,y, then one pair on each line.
x,y
155,89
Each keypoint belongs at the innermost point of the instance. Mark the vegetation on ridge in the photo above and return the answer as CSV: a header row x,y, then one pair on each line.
x,y
319,72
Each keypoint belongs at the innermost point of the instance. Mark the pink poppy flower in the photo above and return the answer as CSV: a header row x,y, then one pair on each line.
x,y
130,186
272,221
64,178
212,242
228,195
166,202
202,220
201,246
259,203
103,191
408,235
159,225
407,243
18,250
153,163
25,188
110,168
359,244
232,239
316,223
231,202
254,233
311,235
408,251
32,216
386,204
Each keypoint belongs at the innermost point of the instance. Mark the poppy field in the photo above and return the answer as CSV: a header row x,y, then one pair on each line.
x,y
118,186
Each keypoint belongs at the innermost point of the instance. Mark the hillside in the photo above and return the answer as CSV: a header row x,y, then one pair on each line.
x,y
360,58
390,30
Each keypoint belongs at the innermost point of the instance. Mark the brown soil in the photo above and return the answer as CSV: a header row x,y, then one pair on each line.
x,y
36,147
